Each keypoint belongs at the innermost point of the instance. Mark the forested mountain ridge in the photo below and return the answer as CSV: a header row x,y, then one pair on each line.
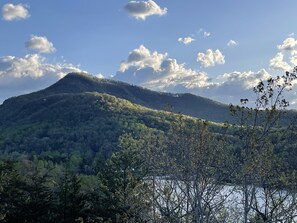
x,y
83,113
187,104
68,123
73,116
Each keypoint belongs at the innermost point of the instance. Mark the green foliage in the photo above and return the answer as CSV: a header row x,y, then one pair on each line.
x,y
11,195
125,188
77,127
69,198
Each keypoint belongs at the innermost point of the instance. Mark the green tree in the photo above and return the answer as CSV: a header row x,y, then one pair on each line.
x,y
69,198
11,193
39,199
124,184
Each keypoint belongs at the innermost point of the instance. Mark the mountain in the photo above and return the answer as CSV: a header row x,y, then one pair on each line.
x,y
61,124
80,118
83,116
187,104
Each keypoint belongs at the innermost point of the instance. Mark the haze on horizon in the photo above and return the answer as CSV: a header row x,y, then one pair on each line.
x,y
215,49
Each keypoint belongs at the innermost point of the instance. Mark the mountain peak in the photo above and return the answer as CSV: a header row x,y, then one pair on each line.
x,y
80,76
77,83
73,83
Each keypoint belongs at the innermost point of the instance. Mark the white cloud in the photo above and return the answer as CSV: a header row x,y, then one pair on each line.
x,y
186,40
14,12
232,43
293,52
288,44
246,80
143,9
278,63
19,75
210,58
99,75
157,71
233,86
286,58
293,60
40,44
206,34
141,58
173,75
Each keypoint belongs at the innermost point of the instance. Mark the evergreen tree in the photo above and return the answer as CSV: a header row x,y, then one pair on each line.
x,y
125,187
11,193
69,198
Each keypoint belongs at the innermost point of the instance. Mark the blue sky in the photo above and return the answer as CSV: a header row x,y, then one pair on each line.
x,y
217,49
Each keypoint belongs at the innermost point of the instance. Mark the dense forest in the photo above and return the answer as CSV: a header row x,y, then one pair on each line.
x,y
90,156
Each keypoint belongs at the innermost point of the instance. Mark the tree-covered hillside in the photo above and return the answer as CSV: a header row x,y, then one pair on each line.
x,y
187,104
88,123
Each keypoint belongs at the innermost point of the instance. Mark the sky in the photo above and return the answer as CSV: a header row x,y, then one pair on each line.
x,y
215,49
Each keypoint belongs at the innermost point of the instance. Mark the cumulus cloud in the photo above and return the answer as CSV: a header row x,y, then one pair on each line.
x,y
278,63
19,75
246,80
232,43
173,76
186,40
14,12
159,72
211,58
288,44
286,58
143,9
233,86
141,57
40,44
